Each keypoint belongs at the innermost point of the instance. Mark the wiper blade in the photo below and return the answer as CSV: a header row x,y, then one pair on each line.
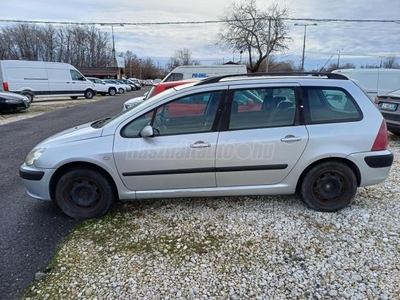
x,y
99,123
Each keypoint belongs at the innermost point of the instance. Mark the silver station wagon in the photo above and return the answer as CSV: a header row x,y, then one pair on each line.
x,y
317,135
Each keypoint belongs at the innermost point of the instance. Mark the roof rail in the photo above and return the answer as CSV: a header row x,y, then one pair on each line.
x,y
215,79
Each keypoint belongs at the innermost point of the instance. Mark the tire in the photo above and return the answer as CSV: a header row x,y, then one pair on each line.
x,y
328,186
121,90
112,91
28,95
74,97
84,194
89,94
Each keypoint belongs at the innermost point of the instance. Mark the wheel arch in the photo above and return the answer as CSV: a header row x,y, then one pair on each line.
x,y
79,164
349,163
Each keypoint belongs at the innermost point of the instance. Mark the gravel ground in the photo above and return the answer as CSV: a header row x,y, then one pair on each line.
x,y
234,248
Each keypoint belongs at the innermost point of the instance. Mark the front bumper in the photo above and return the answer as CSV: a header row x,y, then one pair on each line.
x,y
36,181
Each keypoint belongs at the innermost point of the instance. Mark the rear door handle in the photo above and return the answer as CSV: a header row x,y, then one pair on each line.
x,y
291,139
200,144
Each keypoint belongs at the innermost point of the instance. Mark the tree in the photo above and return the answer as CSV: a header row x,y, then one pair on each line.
x,y
259,33
334,66
182,57
81,46
390,63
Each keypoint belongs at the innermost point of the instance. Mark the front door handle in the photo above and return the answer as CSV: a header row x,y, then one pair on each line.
x,y
291,139
200,144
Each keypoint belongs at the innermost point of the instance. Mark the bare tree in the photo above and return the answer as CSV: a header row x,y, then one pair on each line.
x,y
334,66
82,46
181,57
390,63
259,33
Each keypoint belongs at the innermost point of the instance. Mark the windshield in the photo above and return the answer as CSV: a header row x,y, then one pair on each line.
x,y
148,102
133,109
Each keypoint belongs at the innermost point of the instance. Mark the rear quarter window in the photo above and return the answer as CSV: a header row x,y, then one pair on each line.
x,y
329,105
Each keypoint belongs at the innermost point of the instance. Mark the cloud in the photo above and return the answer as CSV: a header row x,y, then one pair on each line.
x,y
366,40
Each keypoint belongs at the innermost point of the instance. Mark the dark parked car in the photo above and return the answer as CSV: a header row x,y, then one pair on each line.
x,y
389,106
10,102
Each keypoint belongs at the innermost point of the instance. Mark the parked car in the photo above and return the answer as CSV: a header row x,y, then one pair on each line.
x,y
389,106
122,88
127,85
203,71
44,79
137,82
148,82
133,85
195,140
11,102
373,81
156,89
103,87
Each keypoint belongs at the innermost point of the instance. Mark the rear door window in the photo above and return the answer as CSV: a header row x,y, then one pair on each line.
x,y
262,107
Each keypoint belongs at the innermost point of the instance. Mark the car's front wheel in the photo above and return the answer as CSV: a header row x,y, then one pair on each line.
x,y
84,193
89,94
328,186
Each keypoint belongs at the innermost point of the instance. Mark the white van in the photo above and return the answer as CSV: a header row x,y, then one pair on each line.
x,y
374,81
44,79
199,71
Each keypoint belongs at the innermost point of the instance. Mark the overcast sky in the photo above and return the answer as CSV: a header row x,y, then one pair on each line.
x,y
362,43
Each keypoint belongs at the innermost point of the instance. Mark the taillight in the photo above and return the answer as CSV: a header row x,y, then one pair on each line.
x,y
381,140
5,86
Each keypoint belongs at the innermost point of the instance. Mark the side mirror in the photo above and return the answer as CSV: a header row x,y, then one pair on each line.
x,y
147,132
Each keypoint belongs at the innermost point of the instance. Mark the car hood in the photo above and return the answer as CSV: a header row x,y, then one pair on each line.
x,y
11,96
134,100
78,133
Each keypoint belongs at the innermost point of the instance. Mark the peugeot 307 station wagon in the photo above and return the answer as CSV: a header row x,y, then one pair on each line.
x,y
317,135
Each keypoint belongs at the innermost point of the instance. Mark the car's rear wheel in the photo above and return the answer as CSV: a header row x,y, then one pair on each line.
x,y
112,91
84,193
328,186
121,90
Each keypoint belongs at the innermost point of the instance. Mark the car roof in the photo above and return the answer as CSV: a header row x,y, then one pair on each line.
x,y
280,75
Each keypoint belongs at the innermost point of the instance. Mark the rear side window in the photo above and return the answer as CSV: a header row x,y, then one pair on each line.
x,y
329,105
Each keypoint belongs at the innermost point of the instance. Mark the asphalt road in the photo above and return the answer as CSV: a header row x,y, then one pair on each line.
x,y
30,230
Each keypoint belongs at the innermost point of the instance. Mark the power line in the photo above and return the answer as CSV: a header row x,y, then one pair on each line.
x,y
189,22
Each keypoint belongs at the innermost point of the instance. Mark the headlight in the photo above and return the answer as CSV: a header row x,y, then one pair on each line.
x,y
33,155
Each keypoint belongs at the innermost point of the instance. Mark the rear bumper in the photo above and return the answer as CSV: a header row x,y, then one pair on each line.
x,y
379,161
374,166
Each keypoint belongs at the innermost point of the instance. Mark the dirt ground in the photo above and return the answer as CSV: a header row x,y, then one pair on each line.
x,y
42,106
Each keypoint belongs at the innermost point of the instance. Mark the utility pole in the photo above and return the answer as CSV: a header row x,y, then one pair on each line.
x,y
304,42
113,53
338,58
268,46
